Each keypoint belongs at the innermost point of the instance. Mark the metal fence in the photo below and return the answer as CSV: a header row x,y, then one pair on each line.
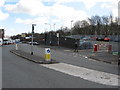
x,y
69,42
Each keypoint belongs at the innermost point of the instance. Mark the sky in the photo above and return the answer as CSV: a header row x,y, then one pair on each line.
x,y
17,16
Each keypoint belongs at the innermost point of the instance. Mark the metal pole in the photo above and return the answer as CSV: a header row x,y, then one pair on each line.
x,y
50,34
54,27
32,45
58,41
71,26
32,38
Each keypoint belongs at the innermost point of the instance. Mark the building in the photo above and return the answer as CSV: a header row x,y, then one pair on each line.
x,y
2,33
23,35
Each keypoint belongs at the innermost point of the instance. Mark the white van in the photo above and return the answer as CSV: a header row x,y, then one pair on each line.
x,y
1,42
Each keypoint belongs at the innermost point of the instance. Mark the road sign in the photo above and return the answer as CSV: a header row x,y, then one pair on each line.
x,y
48,51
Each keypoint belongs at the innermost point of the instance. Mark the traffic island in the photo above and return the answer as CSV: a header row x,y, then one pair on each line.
x,y
33,58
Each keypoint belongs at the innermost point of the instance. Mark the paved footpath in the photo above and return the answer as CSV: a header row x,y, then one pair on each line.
x,y
79,66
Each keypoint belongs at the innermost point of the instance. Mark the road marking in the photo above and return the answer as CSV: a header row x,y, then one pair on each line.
x,y
85,73
67,50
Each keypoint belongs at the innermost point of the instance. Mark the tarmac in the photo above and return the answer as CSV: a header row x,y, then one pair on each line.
x,y
102,56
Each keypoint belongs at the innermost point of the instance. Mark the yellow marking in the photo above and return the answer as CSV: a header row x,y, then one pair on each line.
x,y
47,56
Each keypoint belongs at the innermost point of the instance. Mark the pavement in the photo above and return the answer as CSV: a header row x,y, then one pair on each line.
x,y
100,55
33,58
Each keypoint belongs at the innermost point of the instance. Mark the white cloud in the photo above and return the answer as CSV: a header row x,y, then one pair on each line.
x,y
88,3
63,14
38,20
112,7
3,16
37,8
27,21
11,31
2,3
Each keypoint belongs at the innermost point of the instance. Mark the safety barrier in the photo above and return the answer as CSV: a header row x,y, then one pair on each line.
x,y
102,48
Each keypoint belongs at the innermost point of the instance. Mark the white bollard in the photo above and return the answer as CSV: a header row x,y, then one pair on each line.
x,y
47,54
16,46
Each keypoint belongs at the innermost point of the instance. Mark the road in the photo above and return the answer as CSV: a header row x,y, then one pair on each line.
x,y
20,73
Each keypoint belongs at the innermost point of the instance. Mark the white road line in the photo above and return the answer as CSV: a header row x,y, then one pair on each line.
x,y
87,74
67,50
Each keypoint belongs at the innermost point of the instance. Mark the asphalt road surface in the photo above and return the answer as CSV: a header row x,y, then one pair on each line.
x,y
20,73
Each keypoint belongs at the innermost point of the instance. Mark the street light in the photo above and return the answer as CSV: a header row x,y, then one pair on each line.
x,y
32,38
54,26
71,26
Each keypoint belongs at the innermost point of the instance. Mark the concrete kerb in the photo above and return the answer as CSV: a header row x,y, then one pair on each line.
x,y
103,61
97,59
30,59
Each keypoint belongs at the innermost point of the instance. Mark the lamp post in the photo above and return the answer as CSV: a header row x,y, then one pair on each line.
x,y
45,34
71,26
54,26
32,38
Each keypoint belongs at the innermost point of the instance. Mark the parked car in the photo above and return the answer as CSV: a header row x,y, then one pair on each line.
x,y
86,38
100,38
117,39
106,39
85,44
34,43
93,38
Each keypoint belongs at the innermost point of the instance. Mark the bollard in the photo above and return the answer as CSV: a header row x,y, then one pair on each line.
x,y
47,54
109,48
95,47
16,46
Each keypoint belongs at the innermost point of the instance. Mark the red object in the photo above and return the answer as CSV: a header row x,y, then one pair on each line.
x,y
109,48
106,39
95,47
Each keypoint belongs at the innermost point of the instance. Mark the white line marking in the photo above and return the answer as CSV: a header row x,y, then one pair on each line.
x,y
87,74
67,50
